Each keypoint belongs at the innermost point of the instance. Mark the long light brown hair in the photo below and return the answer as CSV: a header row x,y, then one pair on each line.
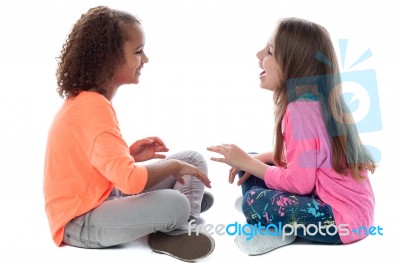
x,y
307,61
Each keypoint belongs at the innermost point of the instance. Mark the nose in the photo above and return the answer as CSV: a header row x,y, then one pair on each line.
x,y
145,59
260,55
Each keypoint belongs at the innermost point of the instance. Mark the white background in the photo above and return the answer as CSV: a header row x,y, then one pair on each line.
x,y
200,88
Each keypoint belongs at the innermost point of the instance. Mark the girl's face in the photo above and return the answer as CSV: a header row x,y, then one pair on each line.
x,y
269,77
135,57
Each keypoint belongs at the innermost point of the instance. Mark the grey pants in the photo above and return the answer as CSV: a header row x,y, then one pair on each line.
x,y
122,218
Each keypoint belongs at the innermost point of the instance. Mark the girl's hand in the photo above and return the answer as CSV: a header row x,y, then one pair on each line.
x,y
238,160
262,157
233,155
232,174
188,169
147,149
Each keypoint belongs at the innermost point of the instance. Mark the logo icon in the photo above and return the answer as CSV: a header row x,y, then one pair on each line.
x,y
359,92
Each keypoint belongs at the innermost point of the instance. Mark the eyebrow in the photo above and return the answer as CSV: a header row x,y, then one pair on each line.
x,y
139,47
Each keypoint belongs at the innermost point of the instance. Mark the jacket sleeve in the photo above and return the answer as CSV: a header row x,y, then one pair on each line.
x,y
111,158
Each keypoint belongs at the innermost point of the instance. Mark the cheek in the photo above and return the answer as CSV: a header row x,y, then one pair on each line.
x,y
269,65
265,64
272,69
276,75
131,63
132,66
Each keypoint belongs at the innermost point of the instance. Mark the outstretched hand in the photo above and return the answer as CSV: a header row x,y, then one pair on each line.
x,y
147,149
238,160
233,155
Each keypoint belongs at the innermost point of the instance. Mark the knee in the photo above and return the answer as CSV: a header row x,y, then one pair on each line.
x,y
249,204
195,158
176,205
251,195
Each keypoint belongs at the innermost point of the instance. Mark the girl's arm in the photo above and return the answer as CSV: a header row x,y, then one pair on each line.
x,y
265,157
110,156
237,158
157,172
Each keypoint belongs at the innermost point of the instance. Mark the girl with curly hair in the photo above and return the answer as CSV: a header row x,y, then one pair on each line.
x,y
96,195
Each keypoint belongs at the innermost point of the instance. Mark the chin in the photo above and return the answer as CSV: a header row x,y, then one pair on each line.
x,y
135,81
266,88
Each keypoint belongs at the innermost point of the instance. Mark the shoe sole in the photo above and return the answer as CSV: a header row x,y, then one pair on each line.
x,y
264,245
184,247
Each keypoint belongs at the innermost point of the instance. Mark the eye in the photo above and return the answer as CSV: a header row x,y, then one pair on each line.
x,y
139,51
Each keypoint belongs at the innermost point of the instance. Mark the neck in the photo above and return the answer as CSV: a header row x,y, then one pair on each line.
x,y
111,93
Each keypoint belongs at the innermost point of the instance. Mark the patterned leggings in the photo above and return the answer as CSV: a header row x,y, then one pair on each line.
x,y
314,218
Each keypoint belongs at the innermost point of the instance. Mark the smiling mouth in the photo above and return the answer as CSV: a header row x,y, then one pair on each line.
x,y
262,74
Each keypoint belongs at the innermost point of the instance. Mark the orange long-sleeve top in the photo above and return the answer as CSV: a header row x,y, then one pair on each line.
x,y
86,158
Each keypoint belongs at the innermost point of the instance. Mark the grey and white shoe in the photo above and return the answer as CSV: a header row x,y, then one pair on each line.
x,y
207,201
238,203
189,248
262,243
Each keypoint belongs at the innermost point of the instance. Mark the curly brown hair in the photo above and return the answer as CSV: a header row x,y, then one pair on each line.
x,y
92,50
